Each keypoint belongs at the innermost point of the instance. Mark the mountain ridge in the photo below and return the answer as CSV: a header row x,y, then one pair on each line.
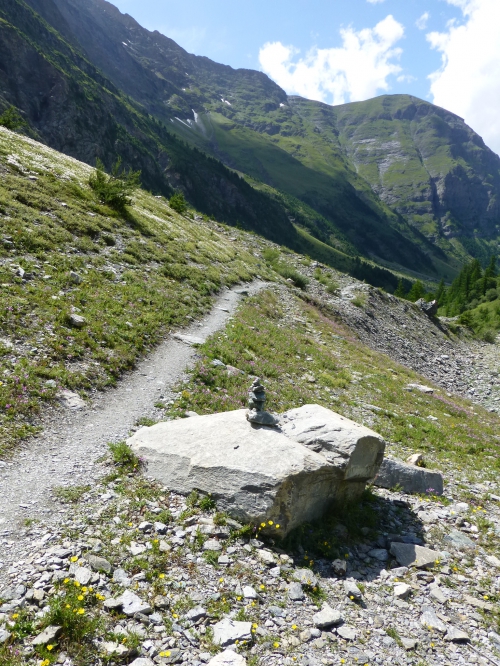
x,y
422,197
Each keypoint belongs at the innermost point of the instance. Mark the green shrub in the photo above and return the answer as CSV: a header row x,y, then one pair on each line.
x,y
12,119
124,457
178,203
114,189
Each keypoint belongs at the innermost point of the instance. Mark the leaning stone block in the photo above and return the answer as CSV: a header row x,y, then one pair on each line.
x,y
410,478
287,475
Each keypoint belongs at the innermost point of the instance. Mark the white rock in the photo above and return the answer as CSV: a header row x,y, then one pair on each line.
x,y
212,544
132,604
259,473
408,554
228,658
352,590
48,635
4,635
327,617
266,557
295,592
305,576
70,400
347,633
402,591
250,593
83,575
120,576
493,560
456,635
142,661
227,632
430,621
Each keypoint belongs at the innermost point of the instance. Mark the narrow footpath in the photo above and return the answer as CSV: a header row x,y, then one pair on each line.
x,y
67,451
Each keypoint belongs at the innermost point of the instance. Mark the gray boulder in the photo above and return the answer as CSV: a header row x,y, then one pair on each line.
x,y
410,478
410,555
286,475
429,307
227,632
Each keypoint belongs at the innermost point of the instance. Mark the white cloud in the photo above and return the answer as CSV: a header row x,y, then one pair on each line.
x,y
421,22
357,70
468,81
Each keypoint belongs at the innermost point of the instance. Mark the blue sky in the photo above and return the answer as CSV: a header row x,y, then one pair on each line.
x,y
345,50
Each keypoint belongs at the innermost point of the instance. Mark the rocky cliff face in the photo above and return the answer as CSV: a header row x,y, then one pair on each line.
x,y
424,162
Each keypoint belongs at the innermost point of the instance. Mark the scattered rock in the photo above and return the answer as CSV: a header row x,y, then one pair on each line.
x,y
327,617
4,635
352,590
227,632
380,554
455,635
416,459
410,478
49,635
75,278
77,321
419,387
430,621
429,307
410,555
70,400
99,563
189,339
132,604
347,633
305,577
402,591
227,658
295,592
459,540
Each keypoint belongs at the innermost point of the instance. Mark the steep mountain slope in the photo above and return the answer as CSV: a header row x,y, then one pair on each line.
x,y
394,179
169,83
73,108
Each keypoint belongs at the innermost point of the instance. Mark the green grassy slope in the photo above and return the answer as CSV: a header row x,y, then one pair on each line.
x,y
141,275
73,108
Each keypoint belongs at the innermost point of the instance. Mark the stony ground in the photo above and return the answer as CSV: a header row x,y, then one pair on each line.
x,y
165,577
73,440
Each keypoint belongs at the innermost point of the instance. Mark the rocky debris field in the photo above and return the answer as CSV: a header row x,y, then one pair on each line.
x,y
74,438
137,575
407,335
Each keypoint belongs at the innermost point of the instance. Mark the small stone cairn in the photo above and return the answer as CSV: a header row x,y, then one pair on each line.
x,y
256,400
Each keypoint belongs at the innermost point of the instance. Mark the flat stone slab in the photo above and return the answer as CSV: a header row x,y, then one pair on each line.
x,y
228,658
459,540
70,400
327,617
287,475
430,621
410,478
189,339
48,635
132,604
227,632
408,555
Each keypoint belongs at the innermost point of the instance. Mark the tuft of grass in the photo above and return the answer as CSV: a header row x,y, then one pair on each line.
x,y
392,632
71,610
360,300
70,494
124,457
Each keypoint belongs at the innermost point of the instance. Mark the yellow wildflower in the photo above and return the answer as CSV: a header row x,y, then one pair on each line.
x,y
50,647
81,611
74,558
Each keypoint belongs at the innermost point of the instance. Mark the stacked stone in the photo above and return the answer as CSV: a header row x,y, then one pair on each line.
x,y
256,402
